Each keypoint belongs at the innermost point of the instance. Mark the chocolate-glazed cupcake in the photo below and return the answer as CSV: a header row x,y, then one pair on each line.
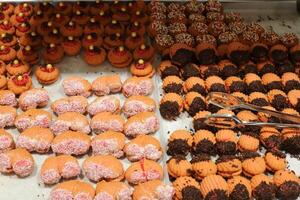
x,y
290,141
290,81
278,53
180,143
176,28
235,84
270,38
182,54
278,99
194,102
254,83
271,81
198,121
289,40
226,142
266,67
294,98
190,70
215,84
270,137
166,68
239,188
258,99
206,53
227,68
208,70
172,84
288,184
249,67
204,142
259,52
263,187
171,106
195,84
198,28
238,53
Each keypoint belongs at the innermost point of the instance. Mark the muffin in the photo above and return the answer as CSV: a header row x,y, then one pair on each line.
x,y
194,102
179,143
204,142
172,84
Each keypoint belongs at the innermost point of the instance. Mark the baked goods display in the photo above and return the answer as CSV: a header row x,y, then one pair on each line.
x,y
108,100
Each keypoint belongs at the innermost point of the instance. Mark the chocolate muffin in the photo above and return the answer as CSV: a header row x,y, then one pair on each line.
x,y
290,81
208,70
271,81
238,53
179,143
166,68
227,68
198,121
190,70
194,102
278,99
278,53
206,53
266,67
259,52
235,84
294,99
258,99
172,84
295,54
254,83
171,105
182,54
215,84
204,142
195,84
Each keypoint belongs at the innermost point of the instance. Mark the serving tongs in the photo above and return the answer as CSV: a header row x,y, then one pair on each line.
x,y
230,102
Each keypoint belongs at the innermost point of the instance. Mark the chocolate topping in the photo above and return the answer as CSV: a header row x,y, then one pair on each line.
x,y
174,88
169,110
183,56
197,105
204,146
291,145
256,86
217,87
178,147
248,155
273,142
191,193
200,158
190,70
171,70
216,194
264,191
240,192
226,148
289,190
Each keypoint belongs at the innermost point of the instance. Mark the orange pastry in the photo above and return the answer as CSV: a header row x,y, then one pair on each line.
x,y
113,41
105,85
252,164
121,15
7,27
25,8
199,122
8,98
7,53
18,161
80,17
134,41
120,57
226,141
155,189
203,166
93,26
178,166
142,69
60,19
55,168
204,142
239,188
45,7
143,146
70,104
28,55
19,83
99,6
94,55
137,28
103,17
107,122
47,74
275,160
76,85
73,189
214,186
71,29
33,117
71,46
145,52
229,166
23,29
7,8
263,187
53,53
185,186
98,168
7,141
179,143
113,190
290,81
166,68
109,143
35,139
235,84
91,39
17,67
3,82
2,68
172,84
8,40
32,39
194,84
104,104
171,105
45,27
215,84
194,102
63,8
38,18
53,37
137,86
270,138
287,183
143,171
136,104
248,142
33,98
114,27
71,143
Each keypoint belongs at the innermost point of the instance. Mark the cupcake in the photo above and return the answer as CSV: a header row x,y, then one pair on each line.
x,y
287,183
166,68
171,105
53,53
186,187
275,160
190,70
17,67
178,166
204,142
270,138
7,53
19,83
229,166
215,84
239,188
238,53
254,83
199,121
206,53
203,166
194,84
293,97
263,187
289,40
252,164
179,143
71,28
290,81
235,84
194,102
120,57
226,142
248,142
278,53
172,84
163,42
94,55
258,99
227,68
278,99
145,52
214,187
71,45
134,41
208,70
91,39
182,54
47,74
271,81
142,69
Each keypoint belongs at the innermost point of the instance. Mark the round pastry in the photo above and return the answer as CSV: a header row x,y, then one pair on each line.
x,y
278,99
171,105
19,84
107,121
275,160
166,68
143,171
25,8
8,98
44,28
47,74
143,146
287,183
103,16
38,18
94,55
172,84
53,37
17,67
70,104
137,86
215,84
28,55
141,124
241,96
136,27
208,70
33,117
178,166
71,46
7,141
93,26
53,53
163,42
263,187
194,102
278,53
265,67
229,166
54,168
293,97
252,164
206,53
121,15
294,53
235,84
195,84
270,38
286,66
185,38
142,69
190,70
120,57
7,27
239,188
271,81
177,28
203,166
199,121
75,85
137,104
105,85
35,139
248,67
104,104
32,39
186,187
289,40
71,143
270,138
23,29
182,54
7,8
204,142
7,53
2,68
8,40
114,27
248,142
80,17
153,189
73,189
156,28
179,143
134,41
254,83
70,121
18,161
109,143
238,53
215,16
33,98
113,41
214,187
226,142
91,39
64,8
113,190
258,99
215,28
290,81
145,52
71,29
259,52
98,6
227,68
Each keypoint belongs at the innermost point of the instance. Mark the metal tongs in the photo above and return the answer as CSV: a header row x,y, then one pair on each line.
x,y
230,102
